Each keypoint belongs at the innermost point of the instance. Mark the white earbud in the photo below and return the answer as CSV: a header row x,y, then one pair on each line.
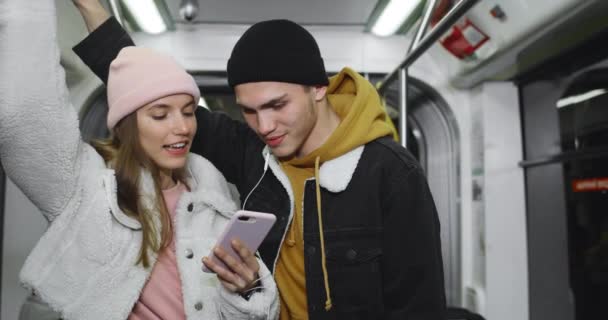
x,y
266,163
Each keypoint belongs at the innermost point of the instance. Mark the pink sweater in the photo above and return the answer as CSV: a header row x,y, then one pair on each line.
x,y
161,297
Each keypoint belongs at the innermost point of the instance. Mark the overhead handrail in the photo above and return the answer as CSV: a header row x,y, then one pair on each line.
x,y
457,12
426,18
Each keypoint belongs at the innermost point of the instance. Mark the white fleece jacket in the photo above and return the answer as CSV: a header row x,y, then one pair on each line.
x,y
84,264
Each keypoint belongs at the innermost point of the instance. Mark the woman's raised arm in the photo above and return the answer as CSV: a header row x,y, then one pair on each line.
x,y
40,144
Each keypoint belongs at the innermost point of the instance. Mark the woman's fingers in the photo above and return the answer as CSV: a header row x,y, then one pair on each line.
x,y
229,286
237,274
246,255
229,279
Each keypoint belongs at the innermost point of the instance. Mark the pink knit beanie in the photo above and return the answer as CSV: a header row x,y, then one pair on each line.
x,y
139,76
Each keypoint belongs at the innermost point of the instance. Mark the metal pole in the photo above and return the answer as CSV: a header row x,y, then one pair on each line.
x,y
403,91
450,18
403,106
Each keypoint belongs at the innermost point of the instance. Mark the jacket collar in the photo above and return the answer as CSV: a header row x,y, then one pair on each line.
x,y
334,175
203,180
110,189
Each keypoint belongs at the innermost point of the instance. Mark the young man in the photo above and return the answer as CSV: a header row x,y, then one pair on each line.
x,y
357,233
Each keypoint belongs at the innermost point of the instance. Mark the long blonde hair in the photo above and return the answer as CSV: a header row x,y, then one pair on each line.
x,y
123,152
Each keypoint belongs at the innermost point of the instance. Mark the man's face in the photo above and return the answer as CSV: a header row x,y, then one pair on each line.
x,y
282,114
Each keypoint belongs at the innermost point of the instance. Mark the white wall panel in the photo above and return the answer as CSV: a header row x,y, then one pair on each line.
x,y
505,210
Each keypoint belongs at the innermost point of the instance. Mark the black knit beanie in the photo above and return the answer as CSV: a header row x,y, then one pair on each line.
x,y
276,50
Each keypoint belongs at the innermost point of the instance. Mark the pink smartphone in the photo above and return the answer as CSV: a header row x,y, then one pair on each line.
x,y
250,227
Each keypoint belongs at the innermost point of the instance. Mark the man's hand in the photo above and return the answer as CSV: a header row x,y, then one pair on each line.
x,y
240,276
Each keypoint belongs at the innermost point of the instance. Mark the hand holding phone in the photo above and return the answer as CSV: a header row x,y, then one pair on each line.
x,y
249,227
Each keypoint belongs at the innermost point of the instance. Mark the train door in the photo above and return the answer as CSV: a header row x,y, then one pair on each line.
x,y
565,120
584,133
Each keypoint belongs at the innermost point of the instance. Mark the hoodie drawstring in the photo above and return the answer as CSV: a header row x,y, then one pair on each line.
x,y
328,303
291,239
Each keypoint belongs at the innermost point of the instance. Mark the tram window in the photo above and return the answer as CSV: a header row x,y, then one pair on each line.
x,y
223,102
93,123
433,134
583,112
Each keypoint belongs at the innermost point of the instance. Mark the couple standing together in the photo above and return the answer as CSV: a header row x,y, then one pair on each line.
x,y
132,217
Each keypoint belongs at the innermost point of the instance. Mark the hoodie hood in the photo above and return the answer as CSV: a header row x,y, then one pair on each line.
x,y
362,114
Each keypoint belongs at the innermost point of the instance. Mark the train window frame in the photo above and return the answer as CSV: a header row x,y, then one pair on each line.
x,y
432,117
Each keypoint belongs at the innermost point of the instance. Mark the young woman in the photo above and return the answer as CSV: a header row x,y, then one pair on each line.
x,y
132,217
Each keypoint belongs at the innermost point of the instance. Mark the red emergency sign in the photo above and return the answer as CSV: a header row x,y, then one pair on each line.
x,y
590,184
464,39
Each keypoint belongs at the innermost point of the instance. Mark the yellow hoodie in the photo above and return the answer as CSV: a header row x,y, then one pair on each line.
x,y
363,119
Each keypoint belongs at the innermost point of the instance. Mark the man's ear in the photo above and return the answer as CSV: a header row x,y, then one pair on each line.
x,y
320,92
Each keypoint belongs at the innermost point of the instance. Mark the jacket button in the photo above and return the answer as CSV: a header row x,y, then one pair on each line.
x,y
189,253
190,207
351,254
311,250
198,306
